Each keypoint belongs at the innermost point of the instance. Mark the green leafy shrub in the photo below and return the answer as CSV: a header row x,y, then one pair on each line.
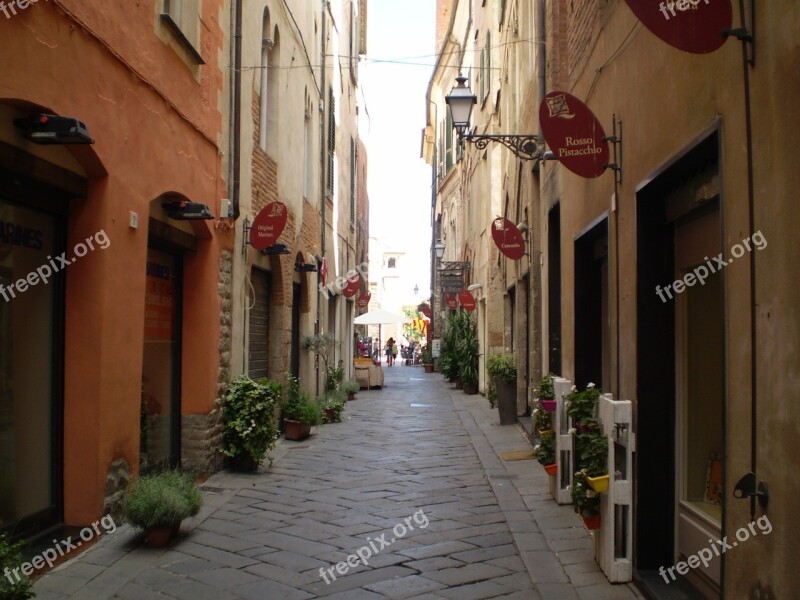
x,y
502,366
545,452
299,406
11,558
491,395
545,388
582,405
249,415
427,355
162,499
350,387
586,500
334,402
334,376
541,419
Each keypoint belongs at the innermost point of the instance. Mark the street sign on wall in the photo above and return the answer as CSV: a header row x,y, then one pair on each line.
x,y
690,25
268,225
574,134
508,238
452,282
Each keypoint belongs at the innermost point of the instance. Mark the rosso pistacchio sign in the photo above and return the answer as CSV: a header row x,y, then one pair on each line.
x,y
690,25
574,134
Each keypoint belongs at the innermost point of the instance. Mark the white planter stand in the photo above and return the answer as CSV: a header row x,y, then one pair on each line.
x,y
565,449
614,540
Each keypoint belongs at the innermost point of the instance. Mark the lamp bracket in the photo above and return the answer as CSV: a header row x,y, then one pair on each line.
x,y
525,147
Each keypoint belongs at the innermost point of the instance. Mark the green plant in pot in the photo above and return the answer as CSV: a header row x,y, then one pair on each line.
x,y
11,558
332,405
350,388
300,412
546,394
545,452
582,406
469,355
542,421
503,370
158,502
427,358
249,417
591,452
586,500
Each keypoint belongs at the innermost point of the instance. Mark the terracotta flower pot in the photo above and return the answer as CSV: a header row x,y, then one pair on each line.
x,y
551,469
295,430
592,522
351,396
330,415
160,536
428,368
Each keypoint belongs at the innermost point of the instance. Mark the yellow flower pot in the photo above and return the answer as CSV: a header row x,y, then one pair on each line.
x,y
599,484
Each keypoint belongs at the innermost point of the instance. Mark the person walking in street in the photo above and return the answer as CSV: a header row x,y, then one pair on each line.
x,y
390,350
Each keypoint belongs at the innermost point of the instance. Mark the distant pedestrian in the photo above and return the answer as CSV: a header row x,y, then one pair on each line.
x,y
390,351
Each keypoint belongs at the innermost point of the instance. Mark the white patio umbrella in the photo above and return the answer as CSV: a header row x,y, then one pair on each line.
x,y
378,316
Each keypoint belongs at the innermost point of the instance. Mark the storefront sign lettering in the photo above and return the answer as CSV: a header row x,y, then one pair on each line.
x,y
690,25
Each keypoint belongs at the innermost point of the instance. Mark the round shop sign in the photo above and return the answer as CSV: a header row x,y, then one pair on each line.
x,y
467,300
508,238
363,299
268,225
690,25
352,286
574,134
451,300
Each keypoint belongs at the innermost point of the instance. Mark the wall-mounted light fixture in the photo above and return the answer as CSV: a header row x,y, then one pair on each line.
x,y
276,249
438,248
460,101
52,130
183,210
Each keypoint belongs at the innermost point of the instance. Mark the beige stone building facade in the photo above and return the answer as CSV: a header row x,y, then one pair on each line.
x,y
611,291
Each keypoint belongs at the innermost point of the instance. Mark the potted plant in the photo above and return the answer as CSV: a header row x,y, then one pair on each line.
x,y
468,348
334,377
427,358
541,421
586,500
350,388
17,586
300,412
545,452
503,369
158,503
249,416
323,346
591,452
491,395
582,406
546,394
332,405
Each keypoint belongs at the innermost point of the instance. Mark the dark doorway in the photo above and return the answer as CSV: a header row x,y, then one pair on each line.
x,y
294,360
258,343
554,288
591,306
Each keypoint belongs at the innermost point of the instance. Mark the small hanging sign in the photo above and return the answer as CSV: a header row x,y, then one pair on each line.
x,y
690,25
508,238
574,134
363,299
352,286
268,225
467,300
451,300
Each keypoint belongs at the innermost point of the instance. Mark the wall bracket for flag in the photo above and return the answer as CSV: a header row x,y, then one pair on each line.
x,y
616,140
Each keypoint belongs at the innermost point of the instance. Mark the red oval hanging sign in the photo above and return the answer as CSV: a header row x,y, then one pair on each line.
x,y
508,238
574,134
425,309
363,299
323,271
467,300
451,300
690,25
352,286
268,225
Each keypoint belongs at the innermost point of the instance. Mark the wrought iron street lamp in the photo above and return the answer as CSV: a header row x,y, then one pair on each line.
x,y
460,102
438,248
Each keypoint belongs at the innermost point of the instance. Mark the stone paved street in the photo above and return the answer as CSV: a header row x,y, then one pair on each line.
x,y
492,530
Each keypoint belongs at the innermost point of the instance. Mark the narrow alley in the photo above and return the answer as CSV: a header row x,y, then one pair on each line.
x,y
415,468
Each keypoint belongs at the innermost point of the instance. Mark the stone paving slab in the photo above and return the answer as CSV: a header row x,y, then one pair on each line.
x,y
412,480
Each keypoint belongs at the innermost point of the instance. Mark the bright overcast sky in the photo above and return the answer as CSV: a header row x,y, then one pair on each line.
x,y
399,180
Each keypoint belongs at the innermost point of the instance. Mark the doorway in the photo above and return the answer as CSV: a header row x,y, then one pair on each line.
x,y
160,424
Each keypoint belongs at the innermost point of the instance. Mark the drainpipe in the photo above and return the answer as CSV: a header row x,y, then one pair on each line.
x,y
322,163
237,109
541,53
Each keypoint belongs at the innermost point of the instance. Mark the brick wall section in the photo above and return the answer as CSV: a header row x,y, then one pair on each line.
x,y
265,169
444,10
557,21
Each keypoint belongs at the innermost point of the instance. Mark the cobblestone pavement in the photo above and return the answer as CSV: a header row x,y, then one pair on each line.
x,y
492,530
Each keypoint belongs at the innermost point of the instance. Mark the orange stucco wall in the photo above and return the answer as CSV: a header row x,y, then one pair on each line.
x,y
158,127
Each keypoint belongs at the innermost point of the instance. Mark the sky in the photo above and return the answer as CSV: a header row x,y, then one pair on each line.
x,y
399,181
